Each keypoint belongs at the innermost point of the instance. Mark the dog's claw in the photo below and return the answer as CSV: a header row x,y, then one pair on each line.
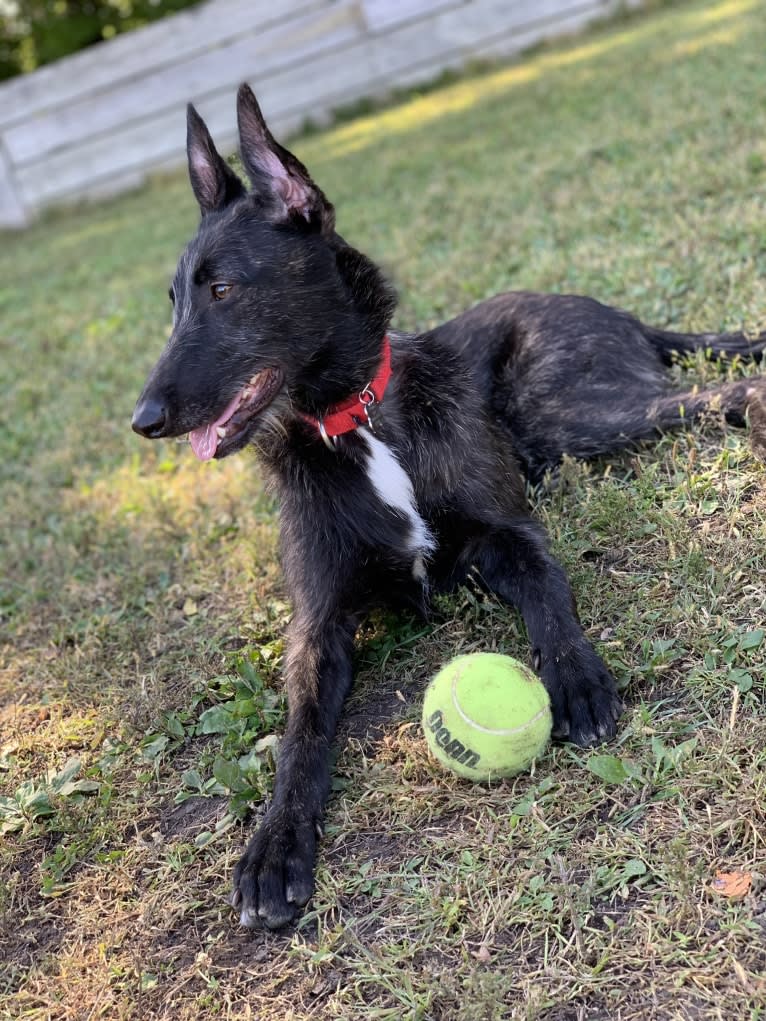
x,y
248,919
298,891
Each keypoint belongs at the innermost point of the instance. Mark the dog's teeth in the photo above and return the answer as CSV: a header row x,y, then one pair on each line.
x,y
221,432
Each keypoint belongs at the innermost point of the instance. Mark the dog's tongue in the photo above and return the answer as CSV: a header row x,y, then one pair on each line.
x,y
204,441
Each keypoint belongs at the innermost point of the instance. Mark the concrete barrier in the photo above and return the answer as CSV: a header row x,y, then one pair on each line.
x,y
97,122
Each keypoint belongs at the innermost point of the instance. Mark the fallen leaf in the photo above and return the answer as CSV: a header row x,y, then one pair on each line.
x,y
190,608
733,885
482,954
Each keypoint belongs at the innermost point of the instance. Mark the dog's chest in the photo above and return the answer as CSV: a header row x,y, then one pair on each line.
x,y
392,486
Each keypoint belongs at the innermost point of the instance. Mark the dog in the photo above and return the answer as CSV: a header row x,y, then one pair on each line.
x,y
399,460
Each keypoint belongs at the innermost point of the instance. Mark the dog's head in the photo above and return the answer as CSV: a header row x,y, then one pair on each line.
x,y
273,313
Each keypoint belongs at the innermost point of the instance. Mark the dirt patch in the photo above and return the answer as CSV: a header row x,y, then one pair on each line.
x,y
30,944
191,817
577,1012
373,709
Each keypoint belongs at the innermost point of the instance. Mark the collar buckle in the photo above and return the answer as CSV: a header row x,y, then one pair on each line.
x,y
331,442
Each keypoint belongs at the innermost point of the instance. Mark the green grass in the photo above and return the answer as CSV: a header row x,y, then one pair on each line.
x,y
142,611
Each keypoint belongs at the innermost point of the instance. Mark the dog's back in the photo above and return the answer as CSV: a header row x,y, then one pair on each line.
x,y
567,375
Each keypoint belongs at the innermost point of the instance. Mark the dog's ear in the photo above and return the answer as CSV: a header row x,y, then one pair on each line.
x,y
280,181
213,181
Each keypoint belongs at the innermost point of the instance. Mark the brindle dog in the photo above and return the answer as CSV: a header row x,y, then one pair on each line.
x,y
399,460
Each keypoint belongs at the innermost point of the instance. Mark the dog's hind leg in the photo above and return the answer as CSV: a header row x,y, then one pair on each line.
x,y
514,563
621,420
275,876
732,400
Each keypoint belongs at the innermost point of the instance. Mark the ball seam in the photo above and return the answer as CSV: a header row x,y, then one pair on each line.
x,y
489,730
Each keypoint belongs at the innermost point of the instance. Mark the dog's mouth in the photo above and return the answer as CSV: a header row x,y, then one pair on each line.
x,y
232,426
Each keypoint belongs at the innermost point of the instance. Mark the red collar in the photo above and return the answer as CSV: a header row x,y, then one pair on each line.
x,y
353,412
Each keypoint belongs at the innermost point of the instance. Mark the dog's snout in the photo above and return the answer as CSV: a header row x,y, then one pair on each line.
x,y
150,418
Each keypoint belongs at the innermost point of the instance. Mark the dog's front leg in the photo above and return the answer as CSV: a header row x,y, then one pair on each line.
x,y
514,563
275,876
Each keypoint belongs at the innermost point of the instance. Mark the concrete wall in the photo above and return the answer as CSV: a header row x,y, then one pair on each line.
x,y
98,122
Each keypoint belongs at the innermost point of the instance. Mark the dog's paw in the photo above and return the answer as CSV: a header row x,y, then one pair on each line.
x,y
584,698
274,878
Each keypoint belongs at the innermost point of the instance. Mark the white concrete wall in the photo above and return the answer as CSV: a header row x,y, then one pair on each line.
x,y
98,122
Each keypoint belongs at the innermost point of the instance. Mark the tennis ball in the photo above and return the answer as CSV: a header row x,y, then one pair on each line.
x,y
486,716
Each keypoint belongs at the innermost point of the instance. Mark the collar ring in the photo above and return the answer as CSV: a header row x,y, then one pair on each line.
x,y
367,396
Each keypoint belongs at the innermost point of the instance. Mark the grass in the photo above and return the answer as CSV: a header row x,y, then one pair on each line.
x,y
142,613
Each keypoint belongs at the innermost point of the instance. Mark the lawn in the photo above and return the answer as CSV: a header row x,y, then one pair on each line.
x,y
142,613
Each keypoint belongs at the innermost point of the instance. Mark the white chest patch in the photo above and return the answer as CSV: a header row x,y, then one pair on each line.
x,y
394,487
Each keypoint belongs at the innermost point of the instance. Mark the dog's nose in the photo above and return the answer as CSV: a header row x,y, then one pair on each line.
x,y
149,418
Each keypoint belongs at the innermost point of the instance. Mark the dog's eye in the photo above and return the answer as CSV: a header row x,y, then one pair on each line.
x,y
219,291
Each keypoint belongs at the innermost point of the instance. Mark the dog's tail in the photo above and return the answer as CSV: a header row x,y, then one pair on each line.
x,y
720,345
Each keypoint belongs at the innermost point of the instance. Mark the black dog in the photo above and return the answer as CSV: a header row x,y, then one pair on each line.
x,y
396,458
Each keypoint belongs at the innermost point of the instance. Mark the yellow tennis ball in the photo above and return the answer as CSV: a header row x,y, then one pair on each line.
x,y
486,716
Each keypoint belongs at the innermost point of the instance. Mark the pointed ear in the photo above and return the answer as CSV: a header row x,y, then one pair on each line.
x,y
213,181
280,181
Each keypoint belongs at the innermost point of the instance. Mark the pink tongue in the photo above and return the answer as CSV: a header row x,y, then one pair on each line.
x,y
204,441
